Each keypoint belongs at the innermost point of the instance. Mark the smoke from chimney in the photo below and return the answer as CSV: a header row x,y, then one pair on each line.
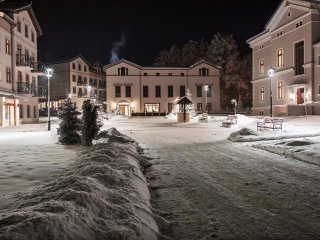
x,y
116,46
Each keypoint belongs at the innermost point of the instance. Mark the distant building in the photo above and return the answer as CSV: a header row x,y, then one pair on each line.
x,y
135,89
78,78
19,68
290,44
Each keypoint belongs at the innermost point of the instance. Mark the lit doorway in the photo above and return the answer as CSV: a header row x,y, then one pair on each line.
x,y
300,96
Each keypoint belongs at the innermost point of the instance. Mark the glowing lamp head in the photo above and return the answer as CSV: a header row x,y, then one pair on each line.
x,y
206,87
271,72
88,87
49,72
69,95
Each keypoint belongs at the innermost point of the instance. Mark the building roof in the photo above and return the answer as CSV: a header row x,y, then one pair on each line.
x,y
122,61
70,60
9,7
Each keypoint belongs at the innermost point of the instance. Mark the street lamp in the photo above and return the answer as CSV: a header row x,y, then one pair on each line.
x,y
88,89
270,74
49,72
206,88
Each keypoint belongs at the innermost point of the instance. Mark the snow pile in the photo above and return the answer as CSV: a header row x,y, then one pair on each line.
x,y
303,149
171,116
239,135
244,121
102,195
112,135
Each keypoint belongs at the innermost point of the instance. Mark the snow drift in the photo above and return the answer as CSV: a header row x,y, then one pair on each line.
x,y
102,195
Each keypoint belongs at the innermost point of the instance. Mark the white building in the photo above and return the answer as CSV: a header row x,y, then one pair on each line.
x,y
19,68
135,89
78,78
290,43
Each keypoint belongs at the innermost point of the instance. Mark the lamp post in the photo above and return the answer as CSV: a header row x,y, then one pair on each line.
x,y
206,88
88,89
270,74
49,72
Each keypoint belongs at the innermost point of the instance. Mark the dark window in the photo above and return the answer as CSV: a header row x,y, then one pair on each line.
x,y
170,74
28,111
21,111
26,31
19,50
158,91
170,91
145,91
74,90
85,68
182,91
123,71
203,71
8,75
19,76
8,46
32,36
118,91
157,74
73,78
199,91
299,58
19,26
79,67
199,106
34,111
209,92
182,74
145,74
73,66
128,91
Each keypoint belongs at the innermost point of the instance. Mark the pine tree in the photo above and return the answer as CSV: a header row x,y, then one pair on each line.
x,y
190,107
70,124
90,126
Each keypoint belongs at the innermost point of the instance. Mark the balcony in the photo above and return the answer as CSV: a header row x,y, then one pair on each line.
x,y
39,69
81,83
25,61
32,89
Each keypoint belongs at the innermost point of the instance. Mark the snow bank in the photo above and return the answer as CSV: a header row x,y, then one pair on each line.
x,y
102,195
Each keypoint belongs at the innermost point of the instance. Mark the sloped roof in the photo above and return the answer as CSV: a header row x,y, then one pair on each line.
x,y
70,60
10,7
201,62
122,61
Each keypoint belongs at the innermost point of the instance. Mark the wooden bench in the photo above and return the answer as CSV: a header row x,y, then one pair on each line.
x,y
231,120
272,123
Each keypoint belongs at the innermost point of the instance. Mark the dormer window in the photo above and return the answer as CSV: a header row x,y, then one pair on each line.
x,y
122,71
279,34
298,24
203,72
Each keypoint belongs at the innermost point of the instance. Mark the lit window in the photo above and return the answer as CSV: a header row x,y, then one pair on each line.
x,y
262,96
280,57
280,90
261,67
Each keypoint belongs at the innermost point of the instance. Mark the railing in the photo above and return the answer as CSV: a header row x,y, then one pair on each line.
x,y
32,89
39,67
25,60
81,83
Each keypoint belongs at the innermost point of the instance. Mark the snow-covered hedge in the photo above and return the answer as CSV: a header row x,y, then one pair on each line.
x,y
102,195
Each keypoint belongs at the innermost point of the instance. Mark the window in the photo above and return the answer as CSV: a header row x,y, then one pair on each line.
x,y
158,91
32,36
182,74
182,91
26,31
158,74
79,67
122,71
27,78
145,91
34,81
34,112
280,57
279,34
209,107
74,90
145,74
261,67
8,75
170,91
73,78
262,96
209,92
28,111
128,91
199,106
199,91
19,50
299,58
118,91
300,95
85,80
298,24
261,46
73,66
20,110
152,107
8,46
19,26
85,68
204,72
289,14
261,112
280,90
169,74
19,77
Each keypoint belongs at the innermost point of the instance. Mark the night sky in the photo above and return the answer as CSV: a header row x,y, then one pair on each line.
x,y
91,27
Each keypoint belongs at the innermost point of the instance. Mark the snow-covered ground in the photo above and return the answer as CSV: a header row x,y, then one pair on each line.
x,y
206,186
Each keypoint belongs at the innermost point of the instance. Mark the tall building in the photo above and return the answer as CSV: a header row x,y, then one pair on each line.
x,y
19,68
290,44
78,79
135,89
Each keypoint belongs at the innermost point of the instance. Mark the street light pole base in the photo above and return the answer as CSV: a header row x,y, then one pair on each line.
x,y
49,125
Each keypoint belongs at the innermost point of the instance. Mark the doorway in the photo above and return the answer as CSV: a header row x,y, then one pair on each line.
x,y
300,96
